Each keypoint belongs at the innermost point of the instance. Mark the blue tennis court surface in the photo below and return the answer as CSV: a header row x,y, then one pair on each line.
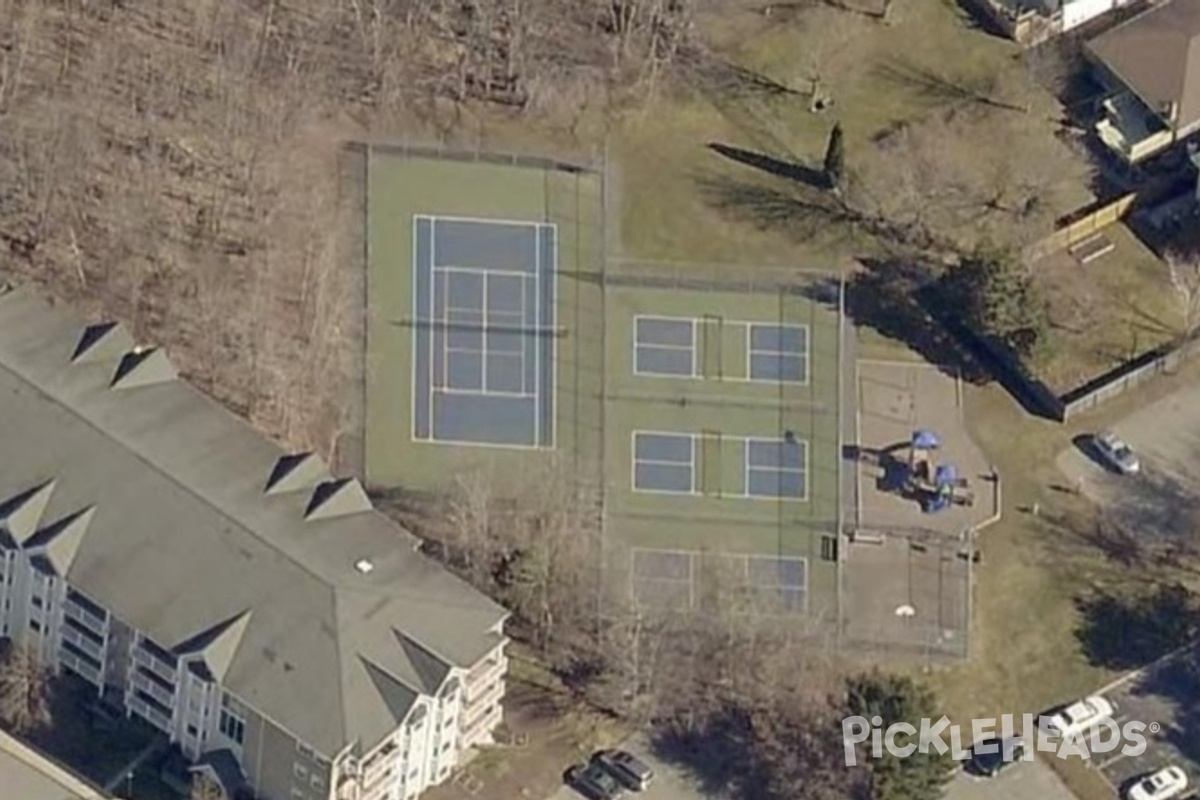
x,y
484,343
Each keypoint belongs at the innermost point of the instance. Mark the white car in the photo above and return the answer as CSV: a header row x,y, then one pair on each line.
x,y
1078,717
1120,456
1162,785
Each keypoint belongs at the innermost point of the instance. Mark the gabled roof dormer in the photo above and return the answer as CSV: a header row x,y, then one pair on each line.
x,y
217,645
104,341
143,367
59,542
337,498
296,473
22,514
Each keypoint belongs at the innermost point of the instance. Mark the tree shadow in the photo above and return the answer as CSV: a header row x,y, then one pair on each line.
x,y
940,89
719,752
1155,506
892,297
720,78
788,170
1125,631
1178,682
788,207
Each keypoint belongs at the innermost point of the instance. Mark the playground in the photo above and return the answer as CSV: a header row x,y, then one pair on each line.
x,y
917,468
921,484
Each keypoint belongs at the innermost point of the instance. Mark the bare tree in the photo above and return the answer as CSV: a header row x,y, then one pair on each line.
x,y
533,542
25,690
1183,273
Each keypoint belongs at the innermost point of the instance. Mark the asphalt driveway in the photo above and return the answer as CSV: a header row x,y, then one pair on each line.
x,y
1160,501
1033,780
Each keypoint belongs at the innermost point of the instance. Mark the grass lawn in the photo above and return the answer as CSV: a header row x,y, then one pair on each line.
x,y
1105,312
1026,657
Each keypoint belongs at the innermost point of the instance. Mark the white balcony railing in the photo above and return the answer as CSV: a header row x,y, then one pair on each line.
x,y
85,618
154,690
83,642
79,667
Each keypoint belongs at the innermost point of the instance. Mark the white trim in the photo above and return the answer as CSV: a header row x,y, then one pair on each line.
x,y
747,440
806,355
483,272
634,461
690,580
432,317
484,220
553,391
484,393
535,331
537,339
635,345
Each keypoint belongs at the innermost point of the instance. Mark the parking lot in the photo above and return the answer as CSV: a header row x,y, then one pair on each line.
x,y
1160,501
1166,698
1034,780
671,782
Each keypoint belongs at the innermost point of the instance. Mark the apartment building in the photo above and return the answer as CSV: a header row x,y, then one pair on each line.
x,y
255,609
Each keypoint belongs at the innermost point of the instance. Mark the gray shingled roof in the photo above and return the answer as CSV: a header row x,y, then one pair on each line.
x,y
1157,55
154,500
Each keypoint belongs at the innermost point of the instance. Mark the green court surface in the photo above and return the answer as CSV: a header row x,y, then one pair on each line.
x,y
709,409
404,185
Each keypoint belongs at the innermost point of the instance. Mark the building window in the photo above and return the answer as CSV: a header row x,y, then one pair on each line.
x,y
316,781
37,601
232,725
300,771
35,626
298,794
777,468
778,353
664,346
664,462
192,730
829,548
304,750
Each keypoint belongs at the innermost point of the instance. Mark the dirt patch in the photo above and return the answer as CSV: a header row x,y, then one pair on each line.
x,y
546,732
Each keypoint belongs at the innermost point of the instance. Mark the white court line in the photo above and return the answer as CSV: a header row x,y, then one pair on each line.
x,y
485,273
488,221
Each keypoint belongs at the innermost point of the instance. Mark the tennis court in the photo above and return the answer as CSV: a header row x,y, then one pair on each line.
x,y
483,348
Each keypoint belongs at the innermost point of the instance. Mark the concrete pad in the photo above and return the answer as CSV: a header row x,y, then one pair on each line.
x,y
895,399
903,559
930,579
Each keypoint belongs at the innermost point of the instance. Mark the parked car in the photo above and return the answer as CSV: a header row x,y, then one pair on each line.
x,y
1161,785
1116,453
1002,753
594,782
1077,717
627,768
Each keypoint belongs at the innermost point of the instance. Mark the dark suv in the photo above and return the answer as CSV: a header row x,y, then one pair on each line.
x,y
1006,753
625,767
594,782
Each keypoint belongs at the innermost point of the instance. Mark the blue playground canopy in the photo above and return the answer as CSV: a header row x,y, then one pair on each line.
x,y
945,475
926,439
